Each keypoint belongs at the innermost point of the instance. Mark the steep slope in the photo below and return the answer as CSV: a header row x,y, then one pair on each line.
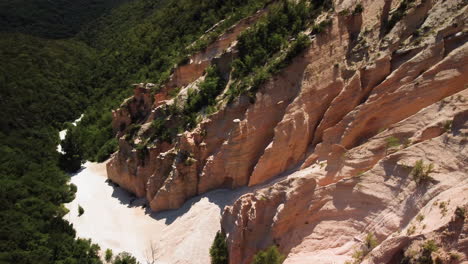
x,y
331,141
319,221
145,160
44,83
144,40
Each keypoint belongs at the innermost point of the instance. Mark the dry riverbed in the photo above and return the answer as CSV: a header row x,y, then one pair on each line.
x,y
114,219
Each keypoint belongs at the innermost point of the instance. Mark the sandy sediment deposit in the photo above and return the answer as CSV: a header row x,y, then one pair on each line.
x,y
114,219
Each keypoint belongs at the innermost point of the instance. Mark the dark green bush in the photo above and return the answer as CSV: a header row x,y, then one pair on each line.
x,y
219,251
209,89
396,16
104,152
319,28
125,258
460,212
426,252
80,210
72,157
108,255
358,9
270,255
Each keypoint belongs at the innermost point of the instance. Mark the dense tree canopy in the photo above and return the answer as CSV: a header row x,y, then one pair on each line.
x,y
51,19
43,84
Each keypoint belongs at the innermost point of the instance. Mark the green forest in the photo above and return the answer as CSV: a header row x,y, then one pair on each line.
x,y
64,58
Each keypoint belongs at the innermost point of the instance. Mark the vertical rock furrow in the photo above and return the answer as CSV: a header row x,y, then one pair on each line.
x,y
324,224
234,162
293,134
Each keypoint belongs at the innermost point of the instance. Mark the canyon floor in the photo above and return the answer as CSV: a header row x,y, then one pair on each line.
x,y
114,219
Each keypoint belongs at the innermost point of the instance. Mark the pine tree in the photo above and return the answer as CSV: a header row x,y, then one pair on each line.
x,y
219,251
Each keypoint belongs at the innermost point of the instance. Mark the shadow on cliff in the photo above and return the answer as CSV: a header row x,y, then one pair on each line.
x,y
219,197
125,197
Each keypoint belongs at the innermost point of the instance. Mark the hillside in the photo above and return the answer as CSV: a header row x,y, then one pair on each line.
x,y
58,60
349,126
43,83
337,129
138,45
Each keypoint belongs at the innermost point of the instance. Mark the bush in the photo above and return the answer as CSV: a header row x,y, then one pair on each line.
x,y
344,12
219,251
460,212
421,172
209,89
393,142
105,151
108,255
426,255
142,152
448,125
131,131
72,157
269,256
160,130
397,15
297,47
370,242
319,28
80,210
125,258
358,9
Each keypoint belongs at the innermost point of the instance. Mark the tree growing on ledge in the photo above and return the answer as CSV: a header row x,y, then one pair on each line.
x,y
219,252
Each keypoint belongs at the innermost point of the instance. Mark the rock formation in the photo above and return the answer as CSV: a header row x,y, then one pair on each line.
x,y
330,144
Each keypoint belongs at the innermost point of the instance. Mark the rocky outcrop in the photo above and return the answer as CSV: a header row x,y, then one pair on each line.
x,y
329,143
321,222
134,109
218,52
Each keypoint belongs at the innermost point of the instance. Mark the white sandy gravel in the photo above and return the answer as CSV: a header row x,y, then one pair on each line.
x,y
180,236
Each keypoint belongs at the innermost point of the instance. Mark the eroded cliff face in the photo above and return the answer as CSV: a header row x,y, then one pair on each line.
x,y
330,143
322,213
